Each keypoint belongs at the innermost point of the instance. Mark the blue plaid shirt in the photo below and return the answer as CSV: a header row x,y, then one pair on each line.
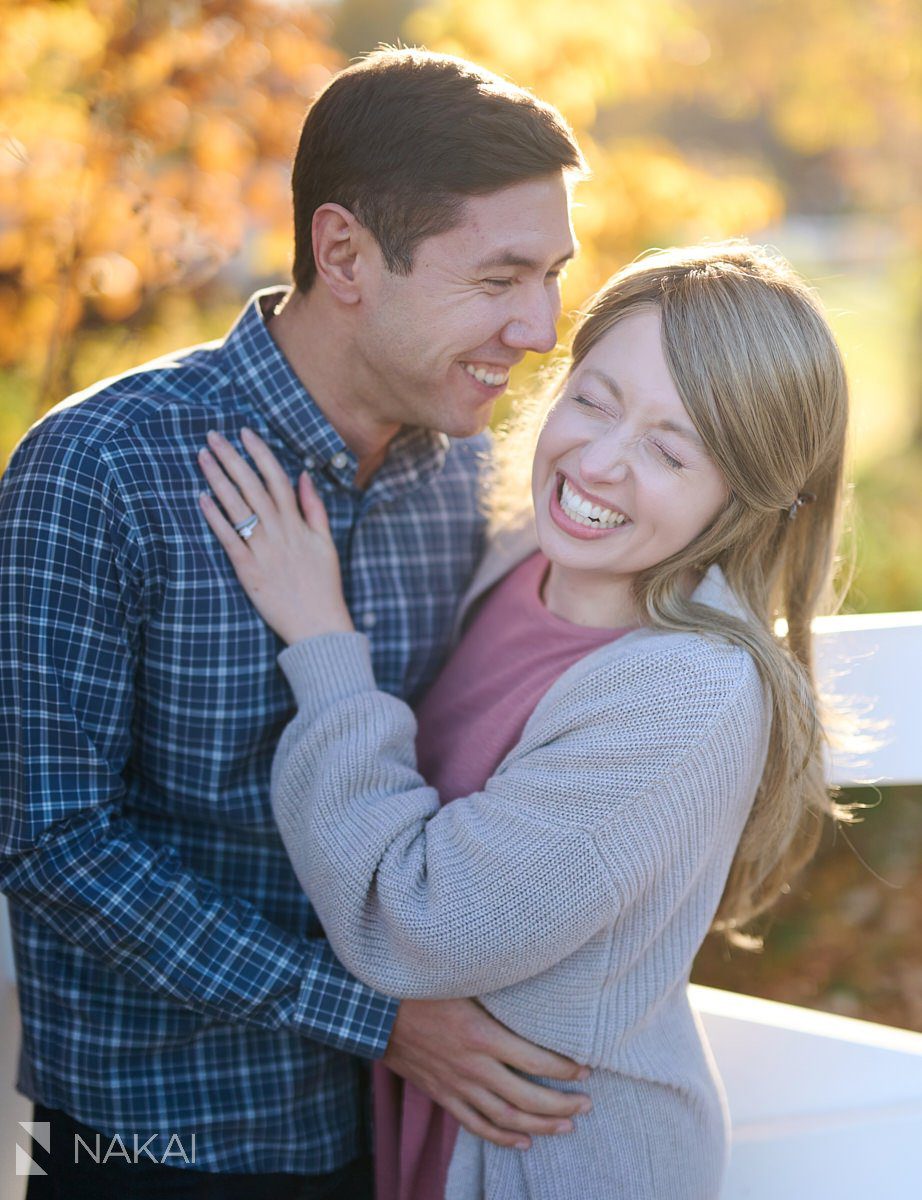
x,y
172,974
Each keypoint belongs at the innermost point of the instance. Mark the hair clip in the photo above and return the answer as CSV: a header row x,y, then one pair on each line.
x,y
802,499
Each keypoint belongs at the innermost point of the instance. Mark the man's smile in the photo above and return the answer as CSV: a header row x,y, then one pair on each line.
x,y
492,376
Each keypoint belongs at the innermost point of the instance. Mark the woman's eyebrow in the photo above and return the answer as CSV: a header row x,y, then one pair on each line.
x,y
606,381
685,431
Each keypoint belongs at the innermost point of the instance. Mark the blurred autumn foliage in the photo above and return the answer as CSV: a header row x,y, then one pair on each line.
x,y
711,115
144,145
603,66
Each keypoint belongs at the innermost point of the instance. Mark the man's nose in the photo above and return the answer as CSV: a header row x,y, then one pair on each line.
x,y
535,327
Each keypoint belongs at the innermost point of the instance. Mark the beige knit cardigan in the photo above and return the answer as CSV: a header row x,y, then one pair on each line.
x,y
570,894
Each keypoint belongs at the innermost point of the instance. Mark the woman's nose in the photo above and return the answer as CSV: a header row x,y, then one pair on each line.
x,y
605,459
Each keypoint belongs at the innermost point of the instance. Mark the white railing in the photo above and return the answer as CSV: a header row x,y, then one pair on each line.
x,y
13,1107
822,1107
875,661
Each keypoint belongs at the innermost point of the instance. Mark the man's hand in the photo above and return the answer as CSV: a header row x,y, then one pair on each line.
x,y
460,1056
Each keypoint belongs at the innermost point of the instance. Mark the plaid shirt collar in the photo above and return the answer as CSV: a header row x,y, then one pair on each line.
x,y
263,374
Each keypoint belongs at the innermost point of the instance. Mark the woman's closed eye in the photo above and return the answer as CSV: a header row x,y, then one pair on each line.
x,y
668,458
584,401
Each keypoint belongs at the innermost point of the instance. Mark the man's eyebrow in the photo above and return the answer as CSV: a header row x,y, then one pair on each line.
x,y
508,258
686,431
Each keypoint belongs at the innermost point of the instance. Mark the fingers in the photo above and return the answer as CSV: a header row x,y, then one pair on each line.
x,y
270,468
537,1104
237,550
312,506
512,1118
244,480
242,492
534,1060
474,1123
231,501
457,1053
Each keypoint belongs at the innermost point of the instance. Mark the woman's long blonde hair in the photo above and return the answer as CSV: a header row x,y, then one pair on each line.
x,y
761,377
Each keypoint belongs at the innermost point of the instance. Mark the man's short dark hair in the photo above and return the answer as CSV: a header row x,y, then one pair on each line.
x,y
403,137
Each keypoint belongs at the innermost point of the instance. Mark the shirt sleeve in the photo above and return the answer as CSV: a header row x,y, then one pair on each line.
x,y
417,899
623,787
73,590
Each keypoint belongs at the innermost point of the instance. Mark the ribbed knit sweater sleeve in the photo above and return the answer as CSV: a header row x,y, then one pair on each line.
x,y
611,785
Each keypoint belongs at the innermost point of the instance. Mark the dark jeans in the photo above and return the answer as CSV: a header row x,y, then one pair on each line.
x,y
120,1180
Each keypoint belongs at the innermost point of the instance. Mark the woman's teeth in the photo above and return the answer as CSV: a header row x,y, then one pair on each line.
x,y
482,375
584,512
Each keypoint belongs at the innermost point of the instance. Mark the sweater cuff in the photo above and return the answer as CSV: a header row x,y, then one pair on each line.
x,y
327,668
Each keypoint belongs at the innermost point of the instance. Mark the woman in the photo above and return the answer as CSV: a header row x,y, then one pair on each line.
x,y
630,752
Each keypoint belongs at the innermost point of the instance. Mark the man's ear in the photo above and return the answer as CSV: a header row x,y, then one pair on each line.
x,y
337,238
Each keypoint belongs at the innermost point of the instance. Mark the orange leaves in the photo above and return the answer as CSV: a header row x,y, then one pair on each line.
x,y
49,45
826,78
612,70
581,57
266,195
644,193
293,50
139,143
112,283
219,143
162,117
144,145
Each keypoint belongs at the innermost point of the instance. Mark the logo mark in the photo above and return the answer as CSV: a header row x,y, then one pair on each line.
x,y
39,1132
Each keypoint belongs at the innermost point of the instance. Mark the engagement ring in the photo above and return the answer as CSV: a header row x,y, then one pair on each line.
x,y
245,528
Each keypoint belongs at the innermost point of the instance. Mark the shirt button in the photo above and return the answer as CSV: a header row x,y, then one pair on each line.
x,y
310,462
339,460
369,620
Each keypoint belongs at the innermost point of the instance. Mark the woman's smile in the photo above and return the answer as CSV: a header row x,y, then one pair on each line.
x,y
582,515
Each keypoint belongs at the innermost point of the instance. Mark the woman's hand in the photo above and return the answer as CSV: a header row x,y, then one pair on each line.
x,y
288,566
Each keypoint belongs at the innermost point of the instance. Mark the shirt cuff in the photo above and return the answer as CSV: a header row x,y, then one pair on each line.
x,y
341,1012
327,668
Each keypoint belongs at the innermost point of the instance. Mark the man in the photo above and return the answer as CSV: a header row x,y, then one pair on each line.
x,y
174,982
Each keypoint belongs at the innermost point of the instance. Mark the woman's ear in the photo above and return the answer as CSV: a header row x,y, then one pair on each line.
x,y
336,237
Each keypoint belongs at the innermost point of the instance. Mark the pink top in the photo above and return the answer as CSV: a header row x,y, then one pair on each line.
x,y
475,712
